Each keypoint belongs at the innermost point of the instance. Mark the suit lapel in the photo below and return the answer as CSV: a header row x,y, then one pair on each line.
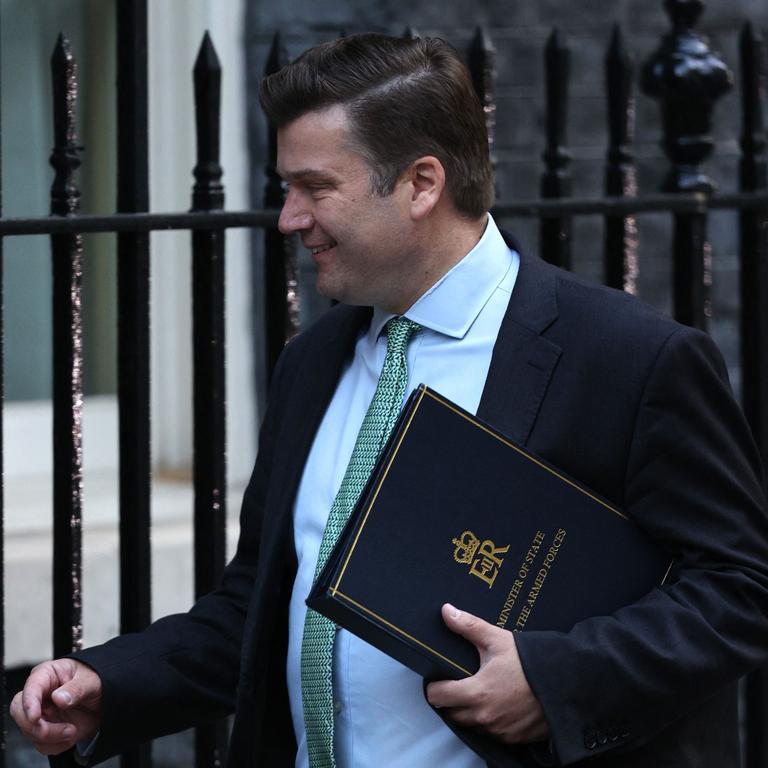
x,y
311,391
523,360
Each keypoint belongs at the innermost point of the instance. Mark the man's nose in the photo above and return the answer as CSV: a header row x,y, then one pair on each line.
x,y
294,217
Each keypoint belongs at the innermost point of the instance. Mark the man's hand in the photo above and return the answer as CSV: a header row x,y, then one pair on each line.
x,y
497,698
59,706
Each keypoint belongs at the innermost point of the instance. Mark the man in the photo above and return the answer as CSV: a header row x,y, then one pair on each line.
x,y
383,146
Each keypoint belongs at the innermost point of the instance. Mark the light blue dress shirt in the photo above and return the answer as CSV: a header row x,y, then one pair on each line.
x,y
382,718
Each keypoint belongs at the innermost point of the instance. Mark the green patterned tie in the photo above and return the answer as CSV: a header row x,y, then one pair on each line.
x,y
319,632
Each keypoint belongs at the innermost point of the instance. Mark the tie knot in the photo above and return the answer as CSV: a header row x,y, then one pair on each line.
x,y
399,331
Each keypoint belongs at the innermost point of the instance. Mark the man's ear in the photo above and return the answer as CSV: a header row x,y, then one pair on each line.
x,y
427,178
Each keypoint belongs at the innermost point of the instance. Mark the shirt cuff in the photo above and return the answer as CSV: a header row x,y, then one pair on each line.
x,y
84,750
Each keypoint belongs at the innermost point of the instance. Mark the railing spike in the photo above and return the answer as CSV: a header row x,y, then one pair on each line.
x,y
482,67
620,242
556,39
556,179
618,78
207,58
208,193
281,293
65,158
278,55
617,50
754,70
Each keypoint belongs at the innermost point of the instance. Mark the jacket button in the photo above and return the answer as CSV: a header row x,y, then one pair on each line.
x,y
590,739
601,737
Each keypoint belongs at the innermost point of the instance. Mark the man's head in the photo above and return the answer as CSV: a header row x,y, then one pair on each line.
x,y
404,98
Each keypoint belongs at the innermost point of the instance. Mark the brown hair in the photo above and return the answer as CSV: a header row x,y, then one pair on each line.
x,y
405,98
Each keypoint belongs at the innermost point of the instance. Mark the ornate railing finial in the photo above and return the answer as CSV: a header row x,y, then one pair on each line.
x,y
687,77
65,157
556,181
274,193
482,66
555,235
754,74
281,276
208,192
621,262
621,103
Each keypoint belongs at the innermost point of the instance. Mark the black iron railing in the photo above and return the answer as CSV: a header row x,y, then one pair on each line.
x,y
689,199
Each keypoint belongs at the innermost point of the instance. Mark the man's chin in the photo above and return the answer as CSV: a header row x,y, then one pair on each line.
x,y
329,291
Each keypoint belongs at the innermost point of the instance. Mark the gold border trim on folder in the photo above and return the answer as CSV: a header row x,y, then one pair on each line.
x,y
397,629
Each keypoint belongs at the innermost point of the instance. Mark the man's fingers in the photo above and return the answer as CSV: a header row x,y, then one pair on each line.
x,y
464,716
451,693
60,705
19,715
45,732
36,689
52,747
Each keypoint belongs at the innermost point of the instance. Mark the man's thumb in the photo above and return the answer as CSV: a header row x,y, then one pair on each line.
x,y
66,696
470,627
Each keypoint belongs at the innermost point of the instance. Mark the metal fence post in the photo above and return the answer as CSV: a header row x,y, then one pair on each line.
x,y
133,318
67,254
687,78
133,381
209,384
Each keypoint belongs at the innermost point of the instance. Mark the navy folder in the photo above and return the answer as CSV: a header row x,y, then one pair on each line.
x,y
456,512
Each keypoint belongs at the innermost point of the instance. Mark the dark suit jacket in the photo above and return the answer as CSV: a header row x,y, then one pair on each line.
x,y
617,395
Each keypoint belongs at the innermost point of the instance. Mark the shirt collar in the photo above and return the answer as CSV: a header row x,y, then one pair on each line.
x,y
453,303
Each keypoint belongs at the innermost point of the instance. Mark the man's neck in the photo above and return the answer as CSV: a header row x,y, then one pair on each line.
x,y
442,244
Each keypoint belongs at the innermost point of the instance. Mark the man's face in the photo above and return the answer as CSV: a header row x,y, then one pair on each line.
x,y
361,242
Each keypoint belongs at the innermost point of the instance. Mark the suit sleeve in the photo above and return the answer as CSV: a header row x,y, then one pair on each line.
x,y
694,483
183,669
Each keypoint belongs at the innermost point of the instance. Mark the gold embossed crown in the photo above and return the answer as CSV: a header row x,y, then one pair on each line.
x,y
466,546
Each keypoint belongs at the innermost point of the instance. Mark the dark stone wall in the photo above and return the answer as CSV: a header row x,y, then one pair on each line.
x,y
519,32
